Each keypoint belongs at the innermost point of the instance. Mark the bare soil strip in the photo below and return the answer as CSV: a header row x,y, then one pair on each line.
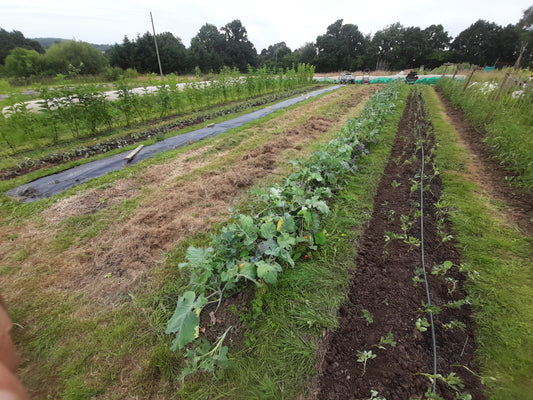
x,y
383,297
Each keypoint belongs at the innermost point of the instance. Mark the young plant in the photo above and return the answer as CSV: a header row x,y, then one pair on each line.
x,y
363,357
422,324
206,358
389,339
442,269
455,324
452,380
367,316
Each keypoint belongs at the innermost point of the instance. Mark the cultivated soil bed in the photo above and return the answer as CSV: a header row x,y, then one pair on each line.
x,y
382,287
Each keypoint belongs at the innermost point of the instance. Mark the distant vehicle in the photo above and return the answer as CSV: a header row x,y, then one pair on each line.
x,y
411,77
346,77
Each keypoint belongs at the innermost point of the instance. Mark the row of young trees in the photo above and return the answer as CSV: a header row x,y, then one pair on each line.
x,y
342,47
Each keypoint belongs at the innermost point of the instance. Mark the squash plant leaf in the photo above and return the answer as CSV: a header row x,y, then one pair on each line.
x,y
268,230
185,319
268,272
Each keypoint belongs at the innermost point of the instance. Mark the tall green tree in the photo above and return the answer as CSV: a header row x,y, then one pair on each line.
x,y
239,51
387,46
438,44
342,47
122,55
276,56
173,54
69,55
525,26
306,54
145,57
479,44
23,62
207,49
12,40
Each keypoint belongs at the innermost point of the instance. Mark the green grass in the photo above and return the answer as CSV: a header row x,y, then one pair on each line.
x,y
507,124
73,348
499,260
286,323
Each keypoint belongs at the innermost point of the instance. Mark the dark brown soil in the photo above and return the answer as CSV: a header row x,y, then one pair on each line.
x,y
383,286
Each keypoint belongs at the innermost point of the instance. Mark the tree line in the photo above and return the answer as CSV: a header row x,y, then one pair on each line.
x,y
342,47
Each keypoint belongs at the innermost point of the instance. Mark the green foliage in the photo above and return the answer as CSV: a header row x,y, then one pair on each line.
x,y
71,57
23,62
185,319
84,110
507,121
389,339
207,358
257,248
363,357
497,260
15,39
367,316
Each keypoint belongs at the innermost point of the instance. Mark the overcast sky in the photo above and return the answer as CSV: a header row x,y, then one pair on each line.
x,y
267,22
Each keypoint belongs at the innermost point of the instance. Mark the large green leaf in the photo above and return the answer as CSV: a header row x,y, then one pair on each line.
x,y
268,272
198,256
248,270
289,225
285,241
185,319
268,230
247,226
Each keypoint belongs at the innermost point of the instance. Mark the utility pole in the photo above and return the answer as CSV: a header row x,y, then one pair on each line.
x,y
156,49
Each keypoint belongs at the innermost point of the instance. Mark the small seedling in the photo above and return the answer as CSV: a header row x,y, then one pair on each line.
x,y
452,380
442,269
457,304
422,324
389,339
374,395
431,308
395,184
455,324
419,276
453,284
363,357
367,316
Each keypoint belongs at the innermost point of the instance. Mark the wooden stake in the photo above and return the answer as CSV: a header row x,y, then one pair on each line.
x,y
469,78
130,156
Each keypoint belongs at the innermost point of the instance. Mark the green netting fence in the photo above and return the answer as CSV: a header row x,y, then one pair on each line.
x,y
421,80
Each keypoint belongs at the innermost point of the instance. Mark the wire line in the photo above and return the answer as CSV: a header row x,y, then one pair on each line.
x,y
422,253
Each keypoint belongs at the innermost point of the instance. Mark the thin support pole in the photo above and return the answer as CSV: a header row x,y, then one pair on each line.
x,y
156,48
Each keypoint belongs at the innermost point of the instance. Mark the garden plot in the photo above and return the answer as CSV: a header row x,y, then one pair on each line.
x,y
384,341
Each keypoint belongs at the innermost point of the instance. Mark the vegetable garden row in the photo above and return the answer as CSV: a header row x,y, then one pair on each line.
x,y
76,112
